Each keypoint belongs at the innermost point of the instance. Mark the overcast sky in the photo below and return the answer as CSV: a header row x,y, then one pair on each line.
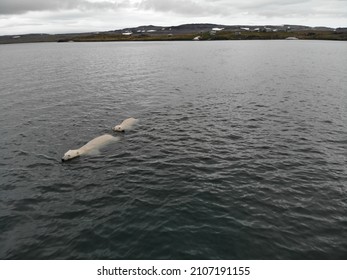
x,y
65,16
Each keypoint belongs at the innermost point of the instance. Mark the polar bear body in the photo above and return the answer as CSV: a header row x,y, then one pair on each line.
x,y
91,146
127,124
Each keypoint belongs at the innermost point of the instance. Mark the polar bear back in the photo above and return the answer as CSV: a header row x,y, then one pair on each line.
x,y
97,143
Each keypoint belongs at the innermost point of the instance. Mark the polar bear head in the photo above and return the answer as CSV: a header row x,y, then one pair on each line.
x,y
70,154
118,128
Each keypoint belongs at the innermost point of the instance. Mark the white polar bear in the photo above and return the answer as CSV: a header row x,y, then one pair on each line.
x,y
91,146
126,125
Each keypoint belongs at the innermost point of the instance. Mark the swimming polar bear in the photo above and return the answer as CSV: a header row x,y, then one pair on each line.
x,y
126,125
91,146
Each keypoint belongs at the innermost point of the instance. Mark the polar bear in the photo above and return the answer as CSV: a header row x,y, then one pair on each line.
x,y
127,124
90,147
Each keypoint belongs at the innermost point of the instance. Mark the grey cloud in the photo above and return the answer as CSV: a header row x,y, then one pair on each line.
x,y
251,4
104,5
184,7
259,8
22,6
86,15
187,8
199,8
211,7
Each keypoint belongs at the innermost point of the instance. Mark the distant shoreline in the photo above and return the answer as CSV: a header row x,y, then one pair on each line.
x,y
189,32
323,35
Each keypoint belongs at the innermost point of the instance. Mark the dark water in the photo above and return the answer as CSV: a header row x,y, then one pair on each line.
x,y
240,152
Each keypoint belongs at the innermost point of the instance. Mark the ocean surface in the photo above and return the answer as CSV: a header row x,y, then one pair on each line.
x,y
240,151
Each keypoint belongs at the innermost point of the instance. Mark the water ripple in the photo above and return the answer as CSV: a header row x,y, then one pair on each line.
x,y
227,162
